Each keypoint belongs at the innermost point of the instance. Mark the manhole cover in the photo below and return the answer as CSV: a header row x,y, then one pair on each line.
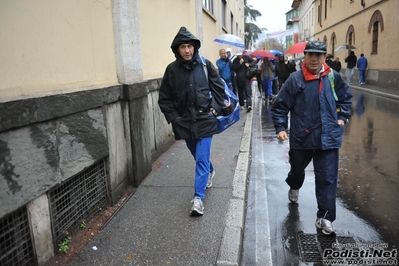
x,y
311,246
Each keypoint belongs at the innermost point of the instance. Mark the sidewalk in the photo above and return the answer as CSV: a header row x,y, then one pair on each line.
x,y
154,226
391,93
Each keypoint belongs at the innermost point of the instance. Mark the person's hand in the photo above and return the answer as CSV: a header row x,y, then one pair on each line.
x,y
282,135
341,122
247,64
241,61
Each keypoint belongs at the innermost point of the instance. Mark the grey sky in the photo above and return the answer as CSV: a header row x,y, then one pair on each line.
x,y
273,13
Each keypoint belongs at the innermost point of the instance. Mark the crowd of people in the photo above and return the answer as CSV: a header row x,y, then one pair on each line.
x,y
317,115
272,73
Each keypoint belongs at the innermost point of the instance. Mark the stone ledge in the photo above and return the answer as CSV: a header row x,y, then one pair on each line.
x,y
21,113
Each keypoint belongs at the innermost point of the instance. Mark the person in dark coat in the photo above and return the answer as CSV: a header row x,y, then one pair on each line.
x,y
282,71
318,113
350,61
190,99
336,65
239,66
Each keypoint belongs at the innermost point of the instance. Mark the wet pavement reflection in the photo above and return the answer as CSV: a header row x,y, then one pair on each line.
x,y
281,233
369,164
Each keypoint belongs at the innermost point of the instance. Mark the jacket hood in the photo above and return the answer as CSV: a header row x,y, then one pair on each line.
x,y
184,36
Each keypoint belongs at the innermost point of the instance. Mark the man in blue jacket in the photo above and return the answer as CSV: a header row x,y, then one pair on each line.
x,y
318,114
362,66
223,64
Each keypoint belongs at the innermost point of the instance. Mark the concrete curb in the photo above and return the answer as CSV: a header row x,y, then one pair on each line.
x,y
230,248
375,92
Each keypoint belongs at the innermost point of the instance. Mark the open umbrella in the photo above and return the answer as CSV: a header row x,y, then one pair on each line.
x,y
345,47
262,53
230,39
297,48
276,52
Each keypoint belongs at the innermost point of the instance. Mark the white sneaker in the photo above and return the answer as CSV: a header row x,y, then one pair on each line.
x,y
293,195
209,183
198,208
325,226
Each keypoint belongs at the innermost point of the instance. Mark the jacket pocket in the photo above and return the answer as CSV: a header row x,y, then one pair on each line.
x,y
203,98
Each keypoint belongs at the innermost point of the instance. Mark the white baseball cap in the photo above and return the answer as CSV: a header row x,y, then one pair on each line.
x,y
228,50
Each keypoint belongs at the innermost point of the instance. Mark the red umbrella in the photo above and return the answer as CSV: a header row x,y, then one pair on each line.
x,y
297,48
262,53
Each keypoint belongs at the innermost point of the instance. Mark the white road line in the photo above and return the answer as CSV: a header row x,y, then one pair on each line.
x,y
262,230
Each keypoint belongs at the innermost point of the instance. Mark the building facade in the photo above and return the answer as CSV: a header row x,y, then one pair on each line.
x,y
369,25
292,20
79,119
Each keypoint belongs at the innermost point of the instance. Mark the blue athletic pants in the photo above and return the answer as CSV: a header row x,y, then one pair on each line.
x,y
267,87
325,164
201,151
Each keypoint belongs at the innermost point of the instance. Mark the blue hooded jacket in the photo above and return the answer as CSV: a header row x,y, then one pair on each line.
x,y
362,63
314,113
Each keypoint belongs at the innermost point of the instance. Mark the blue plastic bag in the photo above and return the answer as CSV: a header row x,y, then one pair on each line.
x,y
231,108
229,117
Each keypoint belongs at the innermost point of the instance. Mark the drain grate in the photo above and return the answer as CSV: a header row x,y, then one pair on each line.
x,y
311,246
15,240
76,199
308,247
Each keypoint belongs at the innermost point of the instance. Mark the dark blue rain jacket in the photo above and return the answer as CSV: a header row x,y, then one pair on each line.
x,y
313,110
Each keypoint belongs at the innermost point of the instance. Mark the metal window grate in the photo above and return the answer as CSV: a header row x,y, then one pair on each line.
x,y
15,240
76,199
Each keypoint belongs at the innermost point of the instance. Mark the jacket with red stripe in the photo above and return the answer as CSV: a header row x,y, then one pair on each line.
x,y
314,112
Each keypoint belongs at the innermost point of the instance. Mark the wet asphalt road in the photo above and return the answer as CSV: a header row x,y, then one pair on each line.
x,y
281,233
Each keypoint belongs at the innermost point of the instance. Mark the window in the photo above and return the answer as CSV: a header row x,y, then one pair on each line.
x,y
311,15
231,23
350,35
333,42
375,38
208,4
319,15
325,9
350,39
376,24
224,7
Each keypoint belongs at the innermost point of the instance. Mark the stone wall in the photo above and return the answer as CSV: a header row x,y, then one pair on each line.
x,y
44,141
383,78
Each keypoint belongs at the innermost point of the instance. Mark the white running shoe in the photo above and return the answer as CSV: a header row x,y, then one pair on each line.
x,y
198,208
325,226
209,183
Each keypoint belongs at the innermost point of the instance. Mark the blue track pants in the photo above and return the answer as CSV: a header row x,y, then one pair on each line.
x,y
325,164
201,151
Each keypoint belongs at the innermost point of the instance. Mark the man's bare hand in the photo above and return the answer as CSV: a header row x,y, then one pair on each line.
x,y
282,135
